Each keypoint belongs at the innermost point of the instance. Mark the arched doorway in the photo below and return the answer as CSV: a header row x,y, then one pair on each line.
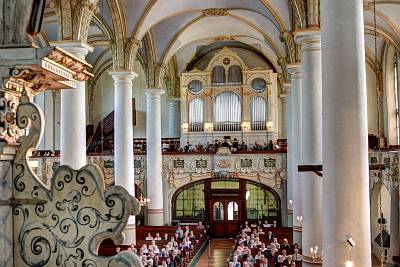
x,y
225,204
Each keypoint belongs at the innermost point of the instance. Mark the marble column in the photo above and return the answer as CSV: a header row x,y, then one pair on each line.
x,y
295,149
345,135
289,159
154,159
73,113
394,221
123,140
311,137
174,115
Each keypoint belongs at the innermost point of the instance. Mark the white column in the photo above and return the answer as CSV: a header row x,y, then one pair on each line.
x,y
295,149
154,160
123,140
345,134
311,137
174,115
283,117
289,164
73,114
394,222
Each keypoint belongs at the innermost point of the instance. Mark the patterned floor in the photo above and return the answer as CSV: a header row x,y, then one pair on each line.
x,y
217,254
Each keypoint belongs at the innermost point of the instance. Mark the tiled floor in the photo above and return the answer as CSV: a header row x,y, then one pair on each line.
x,y
217,254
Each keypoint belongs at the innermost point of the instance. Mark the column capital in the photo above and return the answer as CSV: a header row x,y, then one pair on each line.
x,y
287,87
153,92
122,75
174,102
76,48
294,70
308,39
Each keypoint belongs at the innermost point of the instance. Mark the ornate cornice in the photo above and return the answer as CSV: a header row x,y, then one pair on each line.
x,y
44,69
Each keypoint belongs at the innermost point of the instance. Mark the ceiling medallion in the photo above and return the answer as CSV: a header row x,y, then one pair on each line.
x,y
215,12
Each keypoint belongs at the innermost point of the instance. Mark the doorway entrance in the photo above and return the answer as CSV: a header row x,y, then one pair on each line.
x,y
226,210
225,204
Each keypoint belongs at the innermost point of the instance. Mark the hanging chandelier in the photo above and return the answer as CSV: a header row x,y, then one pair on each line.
x,y
143,201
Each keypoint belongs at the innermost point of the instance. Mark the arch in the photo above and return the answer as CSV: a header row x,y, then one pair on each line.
x,y
377,190
218,76
266,196
235,75
190,199
188,202
155,12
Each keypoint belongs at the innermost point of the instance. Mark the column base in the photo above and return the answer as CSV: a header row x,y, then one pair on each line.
x,y
310,262
155,217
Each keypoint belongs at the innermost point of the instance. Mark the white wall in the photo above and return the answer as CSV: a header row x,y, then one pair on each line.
x,y
49,103
389,97
371,101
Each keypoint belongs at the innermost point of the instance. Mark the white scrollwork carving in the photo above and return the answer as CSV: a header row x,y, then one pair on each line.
x,y
64,226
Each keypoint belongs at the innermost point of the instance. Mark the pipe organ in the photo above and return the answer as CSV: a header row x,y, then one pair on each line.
x,y
229,99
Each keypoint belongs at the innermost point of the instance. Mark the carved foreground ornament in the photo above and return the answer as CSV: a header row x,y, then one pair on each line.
x,y
48,68
65,225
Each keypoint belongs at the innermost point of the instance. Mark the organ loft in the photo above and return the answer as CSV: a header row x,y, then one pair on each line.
x,y
258,133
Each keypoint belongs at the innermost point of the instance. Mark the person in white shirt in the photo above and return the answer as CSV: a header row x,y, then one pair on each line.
x,y
157,237
235,262
149,237
266,224
275,243
297,256
179,231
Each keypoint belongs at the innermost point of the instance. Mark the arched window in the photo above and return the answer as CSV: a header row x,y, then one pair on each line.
x,y
235,76
258,114
228,112
218,211
196,115
218,77
189,203
396,95
261,202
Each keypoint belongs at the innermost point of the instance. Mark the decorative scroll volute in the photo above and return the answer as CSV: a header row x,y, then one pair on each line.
x,y
65,225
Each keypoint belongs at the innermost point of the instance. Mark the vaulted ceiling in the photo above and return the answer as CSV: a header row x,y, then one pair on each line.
x,y
177,28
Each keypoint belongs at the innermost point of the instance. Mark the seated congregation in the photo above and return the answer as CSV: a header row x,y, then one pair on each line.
x,y
172,246
263,245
